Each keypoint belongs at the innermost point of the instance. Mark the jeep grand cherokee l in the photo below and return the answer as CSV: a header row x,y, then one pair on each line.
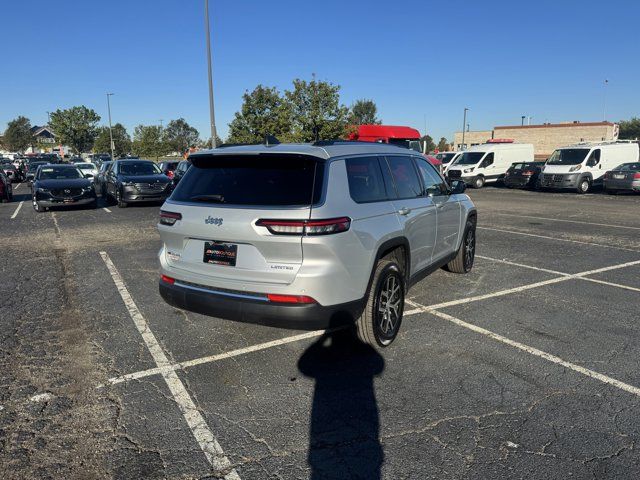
x,y
311,235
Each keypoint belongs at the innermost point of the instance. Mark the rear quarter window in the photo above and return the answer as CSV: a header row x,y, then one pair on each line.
x,y
366,183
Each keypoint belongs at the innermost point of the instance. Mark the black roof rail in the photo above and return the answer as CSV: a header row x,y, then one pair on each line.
x,y
322,143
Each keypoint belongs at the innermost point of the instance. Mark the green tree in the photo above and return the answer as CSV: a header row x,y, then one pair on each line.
x,y
316,111
207,143
121,140
431,145
179,135
76,127
443,145
18,135
364,112
630,129
263,112
148,141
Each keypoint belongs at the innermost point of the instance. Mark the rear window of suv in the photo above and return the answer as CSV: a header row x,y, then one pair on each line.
x,y
265,180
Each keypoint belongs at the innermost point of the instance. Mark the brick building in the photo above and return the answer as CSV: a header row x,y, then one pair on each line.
x,y
546,137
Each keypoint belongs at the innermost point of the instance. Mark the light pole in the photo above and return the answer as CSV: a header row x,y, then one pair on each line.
x,y
113,156
464,124
48,118
211,114
523,117
604,101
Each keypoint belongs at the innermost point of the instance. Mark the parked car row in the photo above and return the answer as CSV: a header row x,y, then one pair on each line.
x,y
580,167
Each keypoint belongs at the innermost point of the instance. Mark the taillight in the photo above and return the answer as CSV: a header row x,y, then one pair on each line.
x,y
169,218
289,298
170,173
636,176
527,173
168,280
306,227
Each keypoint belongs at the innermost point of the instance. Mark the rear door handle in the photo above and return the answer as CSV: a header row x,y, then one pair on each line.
x,y
404,211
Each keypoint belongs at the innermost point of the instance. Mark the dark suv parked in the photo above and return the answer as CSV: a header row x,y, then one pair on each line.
x,y
128,181
60,185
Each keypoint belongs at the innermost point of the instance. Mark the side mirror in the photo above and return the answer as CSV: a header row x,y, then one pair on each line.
x,y
458,186
88,175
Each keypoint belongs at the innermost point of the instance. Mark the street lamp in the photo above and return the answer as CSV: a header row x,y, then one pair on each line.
x,y
523,117
464,124
113,156
208,36
604,101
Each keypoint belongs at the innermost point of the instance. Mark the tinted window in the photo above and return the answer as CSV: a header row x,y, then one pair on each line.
x,y
488,160
568,156
433,183
405,177
253,180
469,158
628,167
138,168
58,173
365,179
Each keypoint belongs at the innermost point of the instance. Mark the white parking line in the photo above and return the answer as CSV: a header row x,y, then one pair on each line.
x,y
16,187
567,221
106,209
15,214
539,353
215,358
199,428
514,232
417,308
578,276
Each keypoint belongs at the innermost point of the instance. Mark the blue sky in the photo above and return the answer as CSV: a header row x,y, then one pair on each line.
x,y
502,59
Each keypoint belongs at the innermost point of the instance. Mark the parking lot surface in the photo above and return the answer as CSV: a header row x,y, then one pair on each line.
x,y
525,368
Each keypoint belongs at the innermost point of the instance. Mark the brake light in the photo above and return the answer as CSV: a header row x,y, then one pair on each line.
x,y
527,173
168,280
169,218
290,298
636,176
170,173
306,227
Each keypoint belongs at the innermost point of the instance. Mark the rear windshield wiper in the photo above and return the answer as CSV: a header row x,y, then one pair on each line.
x,y
216,198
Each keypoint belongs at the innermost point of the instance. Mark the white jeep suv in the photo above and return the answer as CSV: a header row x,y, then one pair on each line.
x,y
310,236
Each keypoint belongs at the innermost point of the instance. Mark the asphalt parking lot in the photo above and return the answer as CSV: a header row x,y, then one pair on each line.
x,y
528,367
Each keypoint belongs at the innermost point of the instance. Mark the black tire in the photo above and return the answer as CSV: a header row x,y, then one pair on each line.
x,y
37,207
584,185
463,263
121,203
377,327
478,182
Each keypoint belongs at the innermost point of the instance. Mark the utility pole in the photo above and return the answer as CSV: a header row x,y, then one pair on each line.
x,y
208,35
604,101
113,155
48,118
464,124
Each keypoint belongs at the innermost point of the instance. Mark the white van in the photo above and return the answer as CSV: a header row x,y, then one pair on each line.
x,y
447,159
488,162
583,165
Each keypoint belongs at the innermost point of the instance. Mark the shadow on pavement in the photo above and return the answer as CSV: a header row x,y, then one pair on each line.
x,y
344,427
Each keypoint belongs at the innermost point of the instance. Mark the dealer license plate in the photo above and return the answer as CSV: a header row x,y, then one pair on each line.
x,y
220,253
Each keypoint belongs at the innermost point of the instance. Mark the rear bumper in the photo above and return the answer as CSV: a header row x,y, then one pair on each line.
x,y
519,182
622,184
253,309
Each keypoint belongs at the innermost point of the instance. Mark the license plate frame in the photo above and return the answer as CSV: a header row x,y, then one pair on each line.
x,y
220,253
619,176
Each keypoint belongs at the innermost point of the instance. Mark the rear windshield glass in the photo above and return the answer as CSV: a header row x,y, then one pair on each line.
x,y
628,167
469,158
271,180
568,156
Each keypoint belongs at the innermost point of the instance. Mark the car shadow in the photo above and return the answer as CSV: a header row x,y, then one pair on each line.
x,y
344,425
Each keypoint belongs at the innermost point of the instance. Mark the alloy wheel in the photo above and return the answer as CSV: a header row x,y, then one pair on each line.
x,y
469,249
389,308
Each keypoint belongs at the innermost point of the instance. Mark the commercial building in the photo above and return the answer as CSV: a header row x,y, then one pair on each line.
x,y
545,138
